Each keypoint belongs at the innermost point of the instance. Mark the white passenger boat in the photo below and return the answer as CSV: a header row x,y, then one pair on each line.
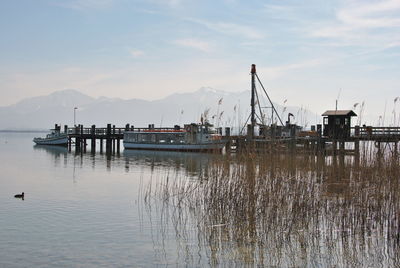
x,y
54,138
193,137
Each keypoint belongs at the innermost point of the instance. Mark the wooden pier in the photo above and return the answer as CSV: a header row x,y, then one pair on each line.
x,y
80,135
316,143
311,142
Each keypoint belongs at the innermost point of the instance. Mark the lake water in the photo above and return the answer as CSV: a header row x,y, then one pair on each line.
x,y
82,210
158,209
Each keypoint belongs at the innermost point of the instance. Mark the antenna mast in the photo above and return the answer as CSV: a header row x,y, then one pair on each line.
x,y
253,91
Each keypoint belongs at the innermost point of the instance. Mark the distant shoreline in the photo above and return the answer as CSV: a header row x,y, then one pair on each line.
x,y
23,131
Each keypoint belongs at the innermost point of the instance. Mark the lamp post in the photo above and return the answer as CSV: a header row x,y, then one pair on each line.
x,y
75,108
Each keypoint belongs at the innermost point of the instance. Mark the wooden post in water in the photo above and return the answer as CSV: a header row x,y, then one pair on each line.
x,y
83,140
69,143
357,147
77,138
334,144
108,139
228,145
378,145
342,146
93,140
113,139
101,145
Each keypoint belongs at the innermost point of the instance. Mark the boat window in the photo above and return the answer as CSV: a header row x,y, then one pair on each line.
x,y
144,137
131,137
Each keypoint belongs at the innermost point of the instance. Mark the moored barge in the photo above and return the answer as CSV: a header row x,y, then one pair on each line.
x,y
193,137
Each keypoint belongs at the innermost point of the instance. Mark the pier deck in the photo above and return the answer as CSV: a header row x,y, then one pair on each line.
x,y
113,135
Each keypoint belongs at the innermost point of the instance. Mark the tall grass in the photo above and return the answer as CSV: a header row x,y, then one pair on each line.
x,y
287,210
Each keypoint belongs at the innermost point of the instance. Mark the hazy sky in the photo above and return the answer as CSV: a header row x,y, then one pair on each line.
x,y
305,51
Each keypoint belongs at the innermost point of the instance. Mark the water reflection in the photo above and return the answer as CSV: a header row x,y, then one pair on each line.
x,y
190,163
56,151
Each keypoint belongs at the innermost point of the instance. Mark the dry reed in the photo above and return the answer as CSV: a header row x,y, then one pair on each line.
x,y
286,210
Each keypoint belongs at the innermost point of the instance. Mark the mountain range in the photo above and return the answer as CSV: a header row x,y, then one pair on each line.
x,y
220,107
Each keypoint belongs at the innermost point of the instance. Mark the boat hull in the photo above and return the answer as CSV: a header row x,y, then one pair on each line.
x,y
60,141
175,147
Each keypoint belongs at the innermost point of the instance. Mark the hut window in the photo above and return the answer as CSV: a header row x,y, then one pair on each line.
x,y
337,121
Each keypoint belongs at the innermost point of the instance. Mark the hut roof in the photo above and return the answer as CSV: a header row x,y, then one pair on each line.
x,y
339,112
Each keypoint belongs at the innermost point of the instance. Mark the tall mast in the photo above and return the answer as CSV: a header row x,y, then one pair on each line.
x,y
253,90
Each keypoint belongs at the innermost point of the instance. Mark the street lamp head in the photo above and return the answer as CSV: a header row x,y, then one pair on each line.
x,y
75,108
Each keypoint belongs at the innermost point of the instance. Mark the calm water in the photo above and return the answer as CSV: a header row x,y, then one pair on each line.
x,y
163,209
83,210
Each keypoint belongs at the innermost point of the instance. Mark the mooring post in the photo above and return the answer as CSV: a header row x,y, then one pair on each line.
x,y
101,145
82,139
357,147
334,143
78,138
108,139
118,145
228,145
93,139
342,146
378,145
69,143
113,139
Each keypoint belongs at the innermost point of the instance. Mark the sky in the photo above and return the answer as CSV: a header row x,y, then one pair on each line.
x,y
309,53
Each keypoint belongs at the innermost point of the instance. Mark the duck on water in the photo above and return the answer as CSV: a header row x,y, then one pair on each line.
x,y
20,195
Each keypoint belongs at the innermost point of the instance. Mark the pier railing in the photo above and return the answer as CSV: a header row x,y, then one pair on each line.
x,y
104,131
375,132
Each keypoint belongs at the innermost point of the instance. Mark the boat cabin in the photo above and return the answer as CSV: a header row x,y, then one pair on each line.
x,y
337,123
190,134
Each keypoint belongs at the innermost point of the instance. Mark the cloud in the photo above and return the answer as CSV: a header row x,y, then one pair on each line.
x,y
360,20
230,28
136,53
194,43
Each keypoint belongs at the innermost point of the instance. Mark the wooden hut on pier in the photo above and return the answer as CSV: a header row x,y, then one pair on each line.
x,y
337,123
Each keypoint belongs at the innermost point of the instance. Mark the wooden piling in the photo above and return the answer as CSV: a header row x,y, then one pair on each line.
x,y
108,139
93,139
78,138
69,143
342,147
228,146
